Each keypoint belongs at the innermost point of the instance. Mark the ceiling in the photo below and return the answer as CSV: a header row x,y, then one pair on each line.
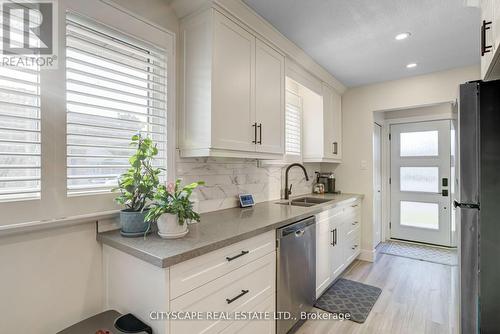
x,y
354,39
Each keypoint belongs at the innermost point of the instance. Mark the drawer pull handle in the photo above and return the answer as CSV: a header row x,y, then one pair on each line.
x,y
237,256
243,292
355,246
354,206
355,223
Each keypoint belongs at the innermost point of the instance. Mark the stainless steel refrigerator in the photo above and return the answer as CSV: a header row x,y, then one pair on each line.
x,y
478,206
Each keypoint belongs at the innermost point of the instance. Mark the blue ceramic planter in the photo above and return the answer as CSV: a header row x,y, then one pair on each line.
x,y
133,224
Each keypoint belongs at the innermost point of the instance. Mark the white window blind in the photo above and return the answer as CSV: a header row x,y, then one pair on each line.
x,y
19,133
293,124
115,87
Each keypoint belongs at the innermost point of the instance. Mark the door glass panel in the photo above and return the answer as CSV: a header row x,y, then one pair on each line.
x,y
419,144
419,214
420,179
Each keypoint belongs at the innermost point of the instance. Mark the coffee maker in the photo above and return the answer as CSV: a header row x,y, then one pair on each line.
x,y
327,180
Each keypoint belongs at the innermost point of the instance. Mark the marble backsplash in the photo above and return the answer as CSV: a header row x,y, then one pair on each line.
x,y
226,178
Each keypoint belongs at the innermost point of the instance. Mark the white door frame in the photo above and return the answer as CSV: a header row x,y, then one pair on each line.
x,y
379,188
386,163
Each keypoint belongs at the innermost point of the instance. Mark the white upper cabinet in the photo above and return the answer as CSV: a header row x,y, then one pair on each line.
x,y
490,39
233,82
270,99
323,128
232,91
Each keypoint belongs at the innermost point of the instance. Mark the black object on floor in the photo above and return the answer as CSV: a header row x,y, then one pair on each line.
x,y
128,323
101,323
346,296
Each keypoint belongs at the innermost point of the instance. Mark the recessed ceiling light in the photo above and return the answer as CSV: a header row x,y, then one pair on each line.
x,y
401,36
411,65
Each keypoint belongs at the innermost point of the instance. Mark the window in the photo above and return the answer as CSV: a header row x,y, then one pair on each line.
x,y
419,214
115,87
419,179
19,133
419,144
293,124
65,131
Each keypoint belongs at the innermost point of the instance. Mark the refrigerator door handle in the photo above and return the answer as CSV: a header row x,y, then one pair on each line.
x,y
466,205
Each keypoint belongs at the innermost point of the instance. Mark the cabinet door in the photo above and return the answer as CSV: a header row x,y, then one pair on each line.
x,y
324,241
233,86
270,99
337,251
337,126
487,14
332,123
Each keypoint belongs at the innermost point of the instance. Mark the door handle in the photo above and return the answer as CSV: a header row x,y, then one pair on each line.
x,y
260,133
333,237
254,141
335,148
466,205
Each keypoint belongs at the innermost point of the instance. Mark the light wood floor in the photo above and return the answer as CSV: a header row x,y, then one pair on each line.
x,y
417,297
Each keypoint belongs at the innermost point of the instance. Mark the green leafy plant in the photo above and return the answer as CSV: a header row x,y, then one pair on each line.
x,y
138,184
174,199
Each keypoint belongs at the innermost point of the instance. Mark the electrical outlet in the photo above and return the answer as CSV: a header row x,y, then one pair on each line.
x,y
364,165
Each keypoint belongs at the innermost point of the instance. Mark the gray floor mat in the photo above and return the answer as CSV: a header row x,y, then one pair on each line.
x,y
420,252
346,296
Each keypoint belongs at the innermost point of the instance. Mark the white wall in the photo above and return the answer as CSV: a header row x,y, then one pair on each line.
x,y
49,279
358,106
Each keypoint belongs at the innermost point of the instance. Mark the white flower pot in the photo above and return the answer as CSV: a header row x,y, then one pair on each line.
x,y
169,227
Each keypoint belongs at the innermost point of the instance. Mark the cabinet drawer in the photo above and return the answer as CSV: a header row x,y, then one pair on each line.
x,y
193,273
352,246
240,290
256,326
335,212
351,225
353,209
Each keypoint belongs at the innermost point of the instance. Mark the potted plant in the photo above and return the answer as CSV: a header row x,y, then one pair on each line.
x,y
137,187
172,209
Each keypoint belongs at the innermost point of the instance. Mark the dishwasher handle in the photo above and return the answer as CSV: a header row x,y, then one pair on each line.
x,y
295,228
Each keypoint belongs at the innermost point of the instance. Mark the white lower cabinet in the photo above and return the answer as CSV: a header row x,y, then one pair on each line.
x,y
256,326
338,240
239,279
241,290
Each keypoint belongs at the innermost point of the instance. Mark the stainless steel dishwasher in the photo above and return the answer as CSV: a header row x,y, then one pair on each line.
x,y
296,278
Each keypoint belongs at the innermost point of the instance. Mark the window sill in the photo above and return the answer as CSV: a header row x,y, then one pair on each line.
x,y
55,223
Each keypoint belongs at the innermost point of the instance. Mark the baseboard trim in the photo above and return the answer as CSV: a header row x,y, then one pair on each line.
x,y
367,255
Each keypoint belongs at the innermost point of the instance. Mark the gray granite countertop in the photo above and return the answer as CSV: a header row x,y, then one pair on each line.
x,y
218,229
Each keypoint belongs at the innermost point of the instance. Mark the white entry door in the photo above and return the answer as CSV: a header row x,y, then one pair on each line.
x,y
420,179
